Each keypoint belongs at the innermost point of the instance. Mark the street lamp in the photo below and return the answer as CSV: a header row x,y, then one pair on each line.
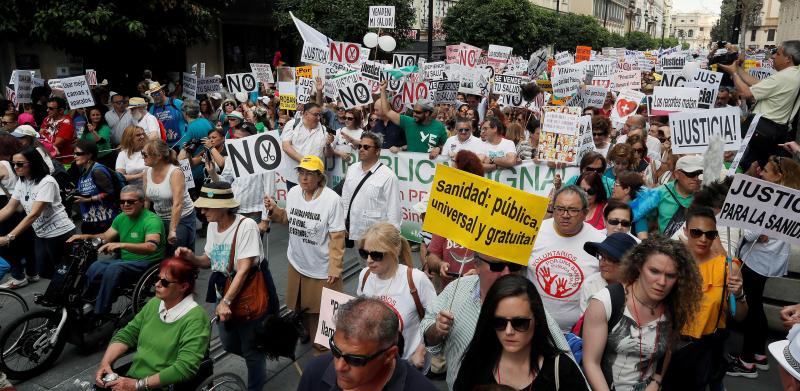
x,y
663,27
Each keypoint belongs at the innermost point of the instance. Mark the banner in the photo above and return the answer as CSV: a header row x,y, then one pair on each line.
x,y
446,92
186,167
708,82
692,131
566,80
371,70
256,154
583,53
344,52
594,96
561,123
483,215
497,57
675,98
354,95
673,79
263,73
241,82
77,91
508,85
761,73
313,54
601,69
23,86
329,304
672,62
564,58
433,71
766,208
207,85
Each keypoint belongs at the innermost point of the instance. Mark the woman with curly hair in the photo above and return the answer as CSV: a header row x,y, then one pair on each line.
x,y
629,327
620,158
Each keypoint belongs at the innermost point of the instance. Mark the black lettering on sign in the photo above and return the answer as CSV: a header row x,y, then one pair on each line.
x,y
265,152
357,94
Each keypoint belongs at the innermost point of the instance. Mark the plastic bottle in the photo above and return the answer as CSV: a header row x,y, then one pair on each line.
x,y
83,385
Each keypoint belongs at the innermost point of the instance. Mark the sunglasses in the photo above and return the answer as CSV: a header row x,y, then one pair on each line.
x,y
590,192
354,360
145,155
693,174
128,202
464,130
696,233
349,118
497,267
598,170
52,108
367,147
519,324
20,164
640,151
599,134
80,153
155,94
376,256
624,223
165,283
373,119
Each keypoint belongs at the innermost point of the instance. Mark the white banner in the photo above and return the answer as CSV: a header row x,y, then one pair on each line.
x,y
627,80
189,85
207,85
708,83
627,103
761,73
507,85
355,95
313,54
305,88
186,167
566,80
692,131
23,86
381,17
675,98
562,123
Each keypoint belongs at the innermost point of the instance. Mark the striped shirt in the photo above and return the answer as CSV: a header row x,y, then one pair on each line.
x,y
249,191
465,308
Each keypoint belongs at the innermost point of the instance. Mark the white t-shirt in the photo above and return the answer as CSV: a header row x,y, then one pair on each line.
x,y
132,165
592,285
453,145
396,293
150,125
505,147
248,244
341,144
305,142
310,223
53,221
559,266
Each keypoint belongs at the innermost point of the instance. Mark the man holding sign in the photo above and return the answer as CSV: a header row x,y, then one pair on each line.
x,y
423,132
58,130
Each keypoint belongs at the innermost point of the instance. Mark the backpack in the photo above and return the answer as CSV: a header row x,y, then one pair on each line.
x,y
117,181
575,337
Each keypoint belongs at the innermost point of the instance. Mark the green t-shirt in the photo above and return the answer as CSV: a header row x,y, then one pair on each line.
x,y
135,231
260,127
667,207
104,146
421,138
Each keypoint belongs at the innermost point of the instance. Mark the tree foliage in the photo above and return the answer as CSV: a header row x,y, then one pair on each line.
x,y
723,30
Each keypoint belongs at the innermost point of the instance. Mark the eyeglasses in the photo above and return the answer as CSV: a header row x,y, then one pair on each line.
x,y
624,223
497,267
598,170
20,164
51,108
590,192
128,202
464,130
693,174
349,118
640,151
354,360
776,161
165,283
145,155
315,114
696,233
567,211
373,119
663,139
376,256
599,134
367,147
519,324
77,153
155,94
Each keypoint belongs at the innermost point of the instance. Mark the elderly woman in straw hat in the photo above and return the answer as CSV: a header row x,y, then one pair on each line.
x,y
218,205
316,239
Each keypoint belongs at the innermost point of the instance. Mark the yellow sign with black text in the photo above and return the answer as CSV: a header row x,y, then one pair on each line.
x,y
288,102
483,215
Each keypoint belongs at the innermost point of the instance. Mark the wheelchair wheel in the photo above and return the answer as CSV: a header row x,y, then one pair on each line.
x,y
224,382
26,346
145,289
12,305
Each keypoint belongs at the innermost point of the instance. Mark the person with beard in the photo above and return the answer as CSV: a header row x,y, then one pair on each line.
x,y
143,119
423,132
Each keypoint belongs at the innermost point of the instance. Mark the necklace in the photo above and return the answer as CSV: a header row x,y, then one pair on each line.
x,y
655,342
652,308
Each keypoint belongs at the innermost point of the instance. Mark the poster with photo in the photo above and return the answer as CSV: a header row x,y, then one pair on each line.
x,y
559,147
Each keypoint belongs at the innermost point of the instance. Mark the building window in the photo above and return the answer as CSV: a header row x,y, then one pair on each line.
x,y
771,35
691,33
753,35
701,29
682,20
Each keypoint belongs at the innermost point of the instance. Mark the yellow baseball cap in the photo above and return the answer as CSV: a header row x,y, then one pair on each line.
x,y
312,163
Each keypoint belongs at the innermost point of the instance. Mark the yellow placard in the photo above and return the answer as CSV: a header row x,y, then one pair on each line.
x,y
657,76
305,71
483,215
748,64
545,85
288,102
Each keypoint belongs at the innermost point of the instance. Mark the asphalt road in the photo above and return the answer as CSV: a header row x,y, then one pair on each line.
x,y
282,374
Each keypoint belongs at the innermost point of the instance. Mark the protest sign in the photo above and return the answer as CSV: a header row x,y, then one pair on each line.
x,y
761,73
433,71
562,123
508,84
627,80
306,71
404,60
675,98
745,142
692,131
566,80
54,84
750,64
381,17
470,82
91,77
189,85
594,96
469,210
11,95
673,79
446,92
328,306
626,105
602,82
545,85
305,88
23,86
207,85
202,69
468,55
601,69
763,207
672,62
241,82
414,91
194,68
564,58
585,136
257,154
186,167
344,52
451,54
77,91
583,53
537,63
262,72
354,95
371,70
708,83
497,57
313,54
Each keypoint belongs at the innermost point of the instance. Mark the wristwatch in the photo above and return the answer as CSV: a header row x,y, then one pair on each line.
x,y
226,301
11,237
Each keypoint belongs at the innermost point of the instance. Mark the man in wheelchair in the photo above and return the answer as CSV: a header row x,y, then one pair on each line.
x,y
170,335
141,241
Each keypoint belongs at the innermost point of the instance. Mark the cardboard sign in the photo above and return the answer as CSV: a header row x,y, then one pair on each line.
x,y
433,71
566,80
745,142
256,154
675,98
381,17
202,69
468,55
766,208
627,80
186,167
313,54
414,91
306,71
305,89
446,92
497,57
537,63
594,96
189,85
12,96
469,210
508,84
673,79
241,82
583,53
331,300
585,136
77,91
626,105
451,54
23,87
344,52
206,85
708,83
470,82
91,77
564,58
404,60
601,69
761,73
354,95
692,131
561,123
263,73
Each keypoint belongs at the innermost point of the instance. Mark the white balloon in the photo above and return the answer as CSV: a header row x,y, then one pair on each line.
x,y
690,69
371,40
387,43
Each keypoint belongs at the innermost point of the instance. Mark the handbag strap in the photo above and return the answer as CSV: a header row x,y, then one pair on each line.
x,y
232,255
411,287
353,197
557,377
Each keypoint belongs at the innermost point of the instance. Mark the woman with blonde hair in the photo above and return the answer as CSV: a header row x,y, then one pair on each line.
x,y
390,276
516,133
165,189
129,160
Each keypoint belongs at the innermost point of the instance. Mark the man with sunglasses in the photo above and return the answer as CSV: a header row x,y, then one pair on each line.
x,y
464,139
119,117
58,130
364,353
143,119
141,241
449,324
169,112
674,197
306,137
423,132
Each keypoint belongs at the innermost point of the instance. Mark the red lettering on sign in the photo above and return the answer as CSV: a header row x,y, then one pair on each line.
x,y
336,49
352,53
421,91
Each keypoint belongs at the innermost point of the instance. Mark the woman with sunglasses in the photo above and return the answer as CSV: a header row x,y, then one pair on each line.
x,y
348,137
513,345
23,247
39,195
170,335
621,158
698,361
592,184
406,289
601,134
643,164
629,327
593,162
130,162
95,188
618,217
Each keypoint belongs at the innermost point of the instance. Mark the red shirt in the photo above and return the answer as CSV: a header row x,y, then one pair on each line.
x,y
442,248
61,128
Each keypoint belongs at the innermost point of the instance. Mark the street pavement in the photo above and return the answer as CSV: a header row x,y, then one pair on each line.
x,y
282,374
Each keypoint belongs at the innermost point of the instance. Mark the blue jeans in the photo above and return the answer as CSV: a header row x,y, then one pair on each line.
x,y
186,234
237,338
50,251
113,273
4,267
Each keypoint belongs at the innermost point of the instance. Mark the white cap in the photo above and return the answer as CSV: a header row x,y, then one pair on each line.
x,y
25,130
691,163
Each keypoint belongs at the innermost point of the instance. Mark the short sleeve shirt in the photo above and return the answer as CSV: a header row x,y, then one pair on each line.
x,y
310,223
136,231
53,221
422,138
248,244
776,95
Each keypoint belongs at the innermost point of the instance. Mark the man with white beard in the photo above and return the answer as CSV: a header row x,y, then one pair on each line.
x,y
145,120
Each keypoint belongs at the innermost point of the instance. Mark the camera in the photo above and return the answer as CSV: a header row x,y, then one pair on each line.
x,y
192,145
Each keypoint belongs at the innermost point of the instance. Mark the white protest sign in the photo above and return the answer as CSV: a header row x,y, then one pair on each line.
x,y
566,80
470,82
675,98
692,131
331,300
12,96
371,70
708,83
194,68
23,86
468,55
672,62
446,92
585,136
202,69
537,63
354,95
673,79
745,142
77,91
257,154
601,69
594,96
313,54
305,88
207,85
764,207
497,56
344,52
562,123
91,77
414,91
381,17
508,84
55,84
241,82
626,105
263,73
186,167
433,71
761,73
404,60
189,85
627,80
564,58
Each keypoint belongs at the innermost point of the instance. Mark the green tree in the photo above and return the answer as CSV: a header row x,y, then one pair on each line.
x,y
579,30
616,41
637,40
514,23
724,28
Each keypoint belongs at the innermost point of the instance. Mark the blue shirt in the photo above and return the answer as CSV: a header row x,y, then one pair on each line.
x,y
393,135
171,116
197,129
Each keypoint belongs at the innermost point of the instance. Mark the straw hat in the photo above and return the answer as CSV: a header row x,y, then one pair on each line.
x,y
155,87
216,195
787,352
